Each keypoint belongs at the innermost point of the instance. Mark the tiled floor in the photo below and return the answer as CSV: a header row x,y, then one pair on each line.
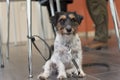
x,y
16,68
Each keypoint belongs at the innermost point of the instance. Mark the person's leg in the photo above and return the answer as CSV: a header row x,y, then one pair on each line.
x,y
99,15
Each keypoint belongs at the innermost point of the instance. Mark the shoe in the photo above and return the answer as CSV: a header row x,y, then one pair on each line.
x,y
96,45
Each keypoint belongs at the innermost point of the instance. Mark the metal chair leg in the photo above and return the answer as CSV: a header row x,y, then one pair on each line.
x,y
116,22
52,7
42,22
14,22
1,54
29,25
58,6
8,26
53,11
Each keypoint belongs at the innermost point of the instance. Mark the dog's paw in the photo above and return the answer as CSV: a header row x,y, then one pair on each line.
x,y
62,77
81,74
43,76
69,73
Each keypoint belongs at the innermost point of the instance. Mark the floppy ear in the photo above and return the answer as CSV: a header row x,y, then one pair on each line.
x,y
54,19
79,18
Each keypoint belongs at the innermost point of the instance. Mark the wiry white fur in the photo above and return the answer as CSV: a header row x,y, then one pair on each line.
x,y
62,57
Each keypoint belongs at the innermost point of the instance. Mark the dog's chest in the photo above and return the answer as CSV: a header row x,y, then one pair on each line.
x,y
66,48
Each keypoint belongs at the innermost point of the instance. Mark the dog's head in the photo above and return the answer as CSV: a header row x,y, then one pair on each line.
x,y
66,22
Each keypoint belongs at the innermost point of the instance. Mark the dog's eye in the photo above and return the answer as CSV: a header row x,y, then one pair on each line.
x,y
73,20
62,21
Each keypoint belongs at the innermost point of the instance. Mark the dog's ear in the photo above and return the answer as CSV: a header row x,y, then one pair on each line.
x,y
78,17
54,19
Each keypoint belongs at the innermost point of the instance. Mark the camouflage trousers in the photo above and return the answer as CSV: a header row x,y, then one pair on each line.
x,y
98,12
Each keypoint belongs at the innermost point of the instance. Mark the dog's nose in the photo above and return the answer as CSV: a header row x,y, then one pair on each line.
x,y
69,29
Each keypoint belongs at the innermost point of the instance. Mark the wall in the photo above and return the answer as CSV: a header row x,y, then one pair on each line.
x,y
18,19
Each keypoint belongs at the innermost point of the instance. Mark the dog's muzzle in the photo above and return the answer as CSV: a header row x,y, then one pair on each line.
x,y
68,28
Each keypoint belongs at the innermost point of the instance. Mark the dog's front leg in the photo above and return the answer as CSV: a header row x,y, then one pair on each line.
x,y
46,72
79,63
61,71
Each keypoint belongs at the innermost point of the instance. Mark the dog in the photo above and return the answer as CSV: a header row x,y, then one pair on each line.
x,y
67,46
